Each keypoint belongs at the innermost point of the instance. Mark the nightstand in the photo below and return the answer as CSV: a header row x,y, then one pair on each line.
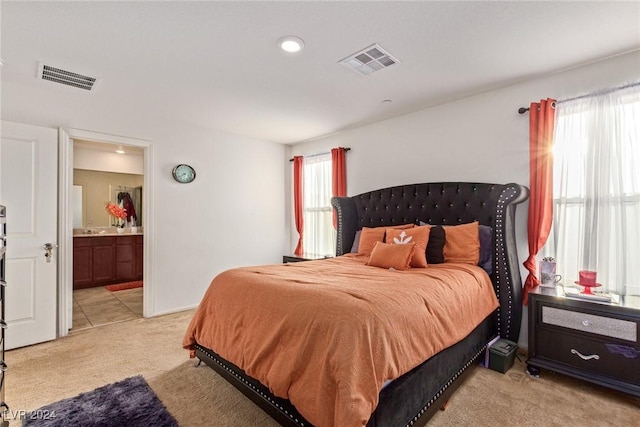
x,y
303,257
594,341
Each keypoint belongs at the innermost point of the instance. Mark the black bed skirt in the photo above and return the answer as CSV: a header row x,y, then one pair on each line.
x,y
407,401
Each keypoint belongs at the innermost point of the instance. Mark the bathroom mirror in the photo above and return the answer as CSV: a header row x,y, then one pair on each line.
x,y
96,189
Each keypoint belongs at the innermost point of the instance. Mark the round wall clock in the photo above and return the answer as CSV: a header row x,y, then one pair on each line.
x,y
184,174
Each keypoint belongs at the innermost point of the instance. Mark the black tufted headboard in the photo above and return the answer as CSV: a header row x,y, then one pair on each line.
x,y
448,203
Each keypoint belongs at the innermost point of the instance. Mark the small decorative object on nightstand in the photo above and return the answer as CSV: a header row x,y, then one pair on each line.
x,y
588,281
303,257
548,276
596,341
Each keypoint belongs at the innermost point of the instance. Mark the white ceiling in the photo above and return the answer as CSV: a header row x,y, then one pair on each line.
x,y
216,64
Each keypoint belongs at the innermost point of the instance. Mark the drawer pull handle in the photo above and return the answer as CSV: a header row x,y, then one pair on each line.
x,y
586,323
583,357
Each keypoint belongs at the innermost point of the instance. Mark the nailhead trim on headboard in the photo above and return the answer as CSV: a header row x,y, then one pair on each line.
x,y
500,260
340,219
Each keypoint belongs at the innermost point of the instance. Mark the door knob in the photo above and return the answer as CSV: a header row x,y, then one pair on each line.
x,y
48,248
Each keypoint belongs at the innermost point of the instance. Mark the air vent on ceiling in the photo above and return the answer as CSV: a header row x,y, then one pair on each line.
x,y
65,77
369,60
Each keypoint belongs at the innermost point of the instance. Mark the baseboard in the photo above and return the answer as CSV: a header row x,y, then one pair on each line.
x,y
173,311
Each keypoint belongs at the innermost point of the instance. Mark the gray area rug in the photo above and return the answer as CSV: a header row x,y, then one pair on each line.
x,y
129,402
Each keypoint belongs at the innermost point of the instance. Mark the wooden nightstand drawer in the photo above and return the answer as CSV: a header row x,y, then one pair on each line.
x,y
614,359
600,325
593,341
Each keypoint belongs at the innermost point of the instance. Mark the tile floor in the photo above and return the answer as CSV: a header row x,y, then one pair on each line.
x,y
98,306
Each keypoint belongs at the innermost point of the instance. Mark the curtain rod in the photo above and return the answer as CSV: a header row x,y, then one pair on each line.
x,y
523,110
320,154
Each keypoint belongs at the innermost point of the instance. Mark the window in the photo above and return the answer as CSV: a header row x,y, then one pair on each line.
x,y
319,237
597,189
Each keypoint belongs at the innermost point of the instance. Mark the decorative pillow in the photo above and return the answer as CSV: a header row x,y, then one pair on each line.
x,y
486,248
368,239
402,226
356,242
462,243
388,255
417,235
435,246
355,248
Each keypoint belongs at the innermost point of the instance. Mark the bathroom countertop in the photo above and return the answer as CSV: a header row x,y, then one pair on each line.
x,y
105,233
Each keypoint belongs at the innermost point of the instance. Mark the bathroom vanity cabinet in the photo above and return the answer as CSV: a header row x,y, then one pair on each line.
x,y
106,259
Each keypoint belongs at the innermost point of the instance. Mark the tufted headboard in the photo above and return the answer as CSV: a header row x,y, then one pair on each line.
x,y
448,203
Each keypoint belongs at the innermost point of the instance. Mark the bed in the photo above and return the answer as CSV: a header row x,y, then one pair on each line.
x,y
408,399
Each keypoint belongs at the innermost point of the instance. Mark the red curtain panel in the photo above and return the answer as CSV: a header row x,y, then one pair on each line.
x,y
338,175
297,201
541,123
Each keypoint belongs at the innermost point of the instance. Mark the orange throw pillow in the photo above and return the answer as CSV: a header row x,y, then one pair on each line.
x,y
394,256
417,235
369,236
402,226
368,239
462,243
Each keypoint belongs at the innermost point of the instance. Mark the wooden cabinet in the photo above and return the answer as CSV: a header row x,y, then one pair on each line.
x,y
597,342
138,257
93,261
125,259
103,260
82,264
102,256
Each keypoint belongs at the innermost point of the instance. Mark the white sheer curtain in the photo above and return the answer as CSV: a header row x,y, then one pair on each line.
x,y
319,236
597,189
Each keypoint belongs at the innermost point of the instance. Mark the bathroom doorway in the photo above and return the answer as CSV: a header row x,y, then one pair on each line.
x,y
103,259
108,234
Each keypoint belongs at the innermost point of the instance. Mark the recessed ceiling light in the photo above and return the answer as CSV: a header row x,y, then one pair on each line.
x,y
291,44
120,151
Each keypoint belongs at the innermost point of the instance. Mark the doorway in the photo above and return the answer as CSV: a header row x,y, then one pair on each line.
x,y
108,251
84,300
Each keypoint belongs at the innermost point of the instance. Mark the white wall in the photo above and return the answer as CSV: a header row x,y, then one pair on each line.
x,y
91,159
480,138
231,215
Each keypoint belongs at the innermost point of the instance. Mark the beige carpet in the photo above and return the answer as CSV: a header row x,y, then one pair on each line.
x,y
51,371
199,397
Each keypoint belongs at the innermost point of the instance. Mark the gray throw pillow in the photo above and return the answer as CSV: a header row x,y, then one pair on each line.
x,y
486,248
356,243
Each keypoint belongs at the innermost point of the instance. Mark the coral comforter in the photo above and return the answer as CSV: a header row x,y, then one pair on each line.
x,y
327,334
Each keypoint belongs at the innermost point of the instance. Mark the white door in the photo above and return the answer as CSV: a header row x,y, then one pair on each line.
x,y
28,188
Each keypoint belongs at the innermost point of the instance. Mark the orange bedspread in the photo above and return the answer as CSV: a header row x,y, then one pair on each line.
x,y
327,334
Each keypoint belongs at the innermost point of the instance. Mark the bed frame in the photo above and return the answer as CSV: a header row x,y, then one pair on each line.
x,y
414,397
